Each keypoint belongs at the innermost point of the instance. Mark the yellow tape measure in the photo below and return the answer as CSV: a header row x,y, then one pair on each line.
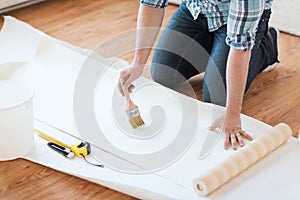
x,y
80,149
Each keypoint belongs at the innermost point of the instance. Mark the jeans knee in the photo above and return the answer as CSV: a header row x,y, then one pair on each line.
x,y
162,71
156,77
205,94
162,75
213,95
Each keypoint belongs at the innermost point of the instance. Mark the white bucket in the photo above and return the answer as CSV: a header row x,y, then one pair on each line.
x,y
16,120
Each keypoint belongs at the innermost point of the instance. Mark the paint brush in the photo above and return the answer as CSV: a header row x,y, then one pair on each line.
x,y
133,112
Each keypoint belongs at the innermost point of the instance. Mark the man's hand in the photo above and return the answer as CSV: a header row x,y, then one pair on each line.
x,y
129,75
231,128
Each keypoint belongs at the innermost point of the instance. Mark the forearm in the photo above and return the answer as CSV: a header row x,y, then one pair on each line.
x,y
237,72
148,26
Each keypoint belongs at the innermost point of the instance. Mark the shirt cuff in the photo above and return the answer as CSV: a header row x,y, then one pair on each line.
x,y
155,3
241,41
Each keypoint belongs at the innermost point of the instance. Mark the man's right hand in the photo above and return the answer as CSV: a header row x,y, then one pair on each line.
x,y
129,75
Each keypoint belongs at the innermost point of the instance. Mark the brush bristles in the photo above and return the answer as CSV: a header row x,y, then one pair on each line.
x,y
135,118
136,121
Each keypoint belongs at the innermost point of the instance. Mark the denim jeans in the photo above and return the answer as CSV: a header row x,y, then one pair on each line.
x,y
186,48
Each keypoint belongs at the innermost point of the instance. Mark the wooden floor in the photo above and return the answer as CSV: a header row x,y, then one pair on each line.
x,y
274,96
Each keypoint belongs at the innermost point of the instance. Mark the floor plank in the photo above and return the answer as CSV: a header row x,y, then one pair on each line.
x,y
273,97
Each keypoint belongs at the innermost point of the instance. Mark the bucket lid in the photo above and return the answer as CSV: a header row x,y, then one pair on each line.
x,y
14,93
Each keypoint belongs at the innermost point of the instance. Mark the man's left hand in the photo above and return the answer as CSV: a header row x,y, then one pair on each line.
x,y
232,130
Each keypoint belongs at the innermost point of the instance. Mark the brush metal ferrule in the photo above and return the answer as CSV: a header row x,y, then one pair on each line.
x,y
133,113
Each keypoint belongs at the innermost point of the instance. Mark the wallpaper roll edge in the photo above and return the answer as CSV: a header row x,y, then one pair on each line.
x,y
241,159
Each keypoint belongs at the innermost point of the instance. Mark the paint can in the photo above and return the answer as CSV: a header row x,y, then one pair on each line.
x,y
16,119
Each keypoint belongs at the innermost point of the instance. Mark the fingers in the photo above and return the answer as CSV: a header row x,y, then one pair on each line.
x,y
213,126
245,134
227,141
131,88
233,141
216,124
124,82
236,138
234,135
127,76
128,84
120,87
240,139
121,81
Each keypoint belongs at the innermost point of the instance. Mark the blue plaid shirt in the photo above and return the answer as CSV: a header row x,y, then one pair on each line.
x,y
241,17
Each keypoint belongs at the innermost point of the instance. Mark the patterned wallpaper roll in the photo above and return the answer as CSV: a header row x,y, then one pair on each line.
x,y
242,159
